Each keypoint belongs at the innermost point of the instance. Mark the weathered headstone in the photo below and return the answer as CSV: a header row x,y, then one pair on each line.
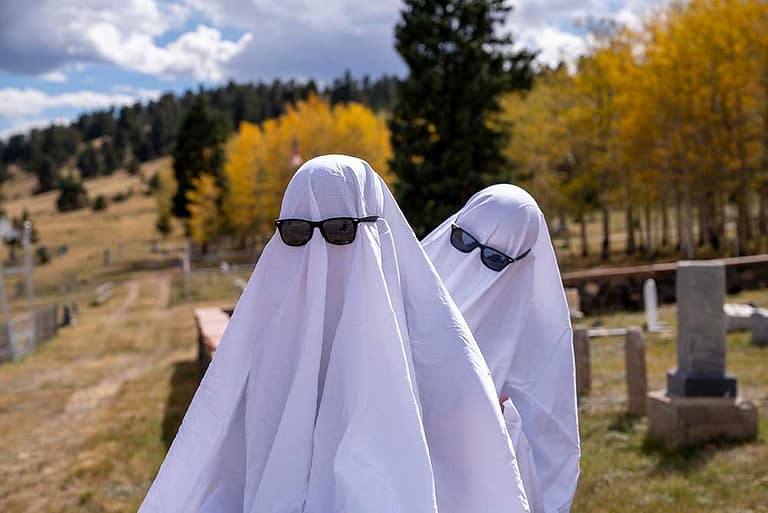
x,y
582,361
701,332
738,317
651,303
760,328
637,380
700,403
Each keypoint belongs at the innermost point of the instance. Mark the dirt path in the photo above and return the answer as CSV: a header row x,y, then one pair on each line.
x,y
55,403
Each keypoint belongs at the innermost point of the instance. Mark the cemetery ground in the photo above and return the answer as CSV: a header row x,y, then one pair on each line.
x,y
85,420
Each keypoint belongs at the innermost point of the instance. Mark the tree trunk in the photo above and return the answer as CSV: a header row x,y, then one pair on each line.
x,y
711,217
583,234
664,221
762,212
648,230
688,227
630,221
606,251
679,221
564,226
743,221
700,215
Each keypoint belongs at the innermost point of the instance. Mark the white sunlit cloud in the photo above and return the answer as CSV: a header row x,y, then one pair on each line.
x,y
42,37
23,109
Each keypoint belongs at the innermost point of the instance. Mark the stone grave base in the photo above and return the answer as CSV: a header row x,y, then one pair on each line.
x,y
687,421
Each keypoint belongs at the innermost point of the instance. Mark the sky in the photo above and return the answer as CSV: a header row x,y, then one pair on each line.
x,y
59,58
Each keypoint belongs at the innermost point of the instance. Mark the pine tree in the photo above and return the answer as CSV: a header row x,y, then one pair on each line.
x,y
445,144
199,149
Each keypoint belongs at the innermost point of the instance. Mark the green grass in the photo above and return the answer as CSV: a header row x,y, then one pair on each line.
x,y
622,471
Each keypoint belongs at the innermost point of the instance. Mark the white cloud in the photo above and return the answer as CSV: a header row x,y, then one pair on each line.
x,y
38,36
309,38
17,103
25,126
288,38
54,76
24,109
553,26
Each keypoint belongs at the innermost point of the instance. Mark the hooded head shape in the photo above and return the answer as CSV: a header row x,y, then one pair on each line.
x,y
520,319
346,381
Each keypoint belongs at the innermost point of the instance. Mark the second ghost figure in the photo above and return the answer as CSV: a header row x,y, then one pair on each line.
x,y
497,261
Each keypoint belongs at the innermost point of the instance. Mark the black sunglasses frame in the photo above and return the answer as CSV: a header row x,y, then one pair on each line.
x,y
477,244
320,225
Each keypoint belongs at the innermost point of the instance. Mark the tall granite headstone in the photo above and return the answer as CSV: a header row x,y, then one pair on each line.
x,y
700,403
701,332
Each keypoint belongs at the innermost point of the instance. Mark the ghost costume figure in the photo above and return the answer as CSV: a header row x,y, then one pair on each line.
x,y
520,319
347,380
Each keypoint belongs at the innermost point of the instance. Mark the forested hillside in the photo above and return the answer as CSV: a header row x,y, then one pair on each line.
x,y
100,142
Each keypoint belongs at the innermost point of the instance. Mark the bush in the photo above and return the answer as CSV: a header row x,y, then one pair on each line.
x,y
72,196
133,167
100,203
163,224
122,196
43,256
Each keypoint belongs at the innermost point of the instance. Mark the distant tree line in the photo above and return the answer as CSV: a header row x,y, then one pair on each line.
x,y
98,143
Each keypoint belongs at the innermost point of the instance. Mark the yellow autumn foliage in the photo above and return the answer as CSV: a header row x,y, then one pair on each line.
x,y
262,159
668,117
204,219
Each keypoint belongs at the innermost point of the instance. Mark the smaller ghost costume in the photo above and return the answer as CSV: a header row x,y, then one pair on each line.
x,y
346,381
520,319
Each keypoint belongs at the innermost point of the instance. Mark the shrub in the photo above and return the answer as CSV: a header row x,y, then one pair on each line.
x,y
72,196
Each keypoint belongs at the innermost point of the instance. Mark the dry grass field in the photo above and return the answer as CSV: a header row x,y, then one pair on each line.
x,y
85,421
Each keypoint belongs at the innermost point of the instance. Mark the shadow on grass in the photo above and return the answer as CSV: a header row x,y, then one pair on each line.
x,y
624,423
686,459
184,381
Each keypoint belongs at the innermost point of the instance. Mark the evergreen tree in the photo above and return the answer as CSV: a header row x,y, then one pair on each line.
x,y
45,169
445,146
199,149
89,162
72,196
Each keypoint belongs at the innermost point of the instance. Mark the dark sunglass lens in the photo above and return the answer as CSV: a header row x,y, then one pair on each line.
x,y
493,259
462,241
339,231
295,232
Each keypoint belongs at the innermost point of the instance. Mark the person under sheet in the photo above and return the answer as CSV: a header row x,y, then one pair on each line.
x,y
347,380
497,261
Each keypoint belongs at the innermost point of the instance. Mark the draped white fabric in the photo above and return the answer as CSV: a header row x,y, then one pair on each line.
x,y
520,319
346,382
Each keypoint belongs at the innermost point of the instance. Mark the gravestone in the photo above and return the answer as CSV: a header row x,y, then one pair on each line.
x,y
637,380
701,402
701,333
738,316
651,303
760,328
582,361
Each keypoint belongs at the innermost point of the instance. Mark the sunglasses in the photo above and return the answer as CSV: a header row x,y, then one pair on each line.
x,y
493,259
336,230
